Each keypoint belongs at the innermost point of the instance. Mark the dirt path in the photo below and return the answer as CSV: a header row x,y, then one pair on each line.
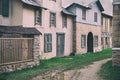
x,y
89,72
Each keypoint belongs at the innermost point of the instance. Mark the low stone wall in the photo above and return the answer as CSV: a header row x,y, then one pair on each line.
x,y
116,56
17,66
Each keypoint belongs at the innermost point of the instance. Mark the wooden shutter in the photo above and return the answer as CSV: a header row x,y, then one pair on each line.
x,y
50,42
45,42
5,8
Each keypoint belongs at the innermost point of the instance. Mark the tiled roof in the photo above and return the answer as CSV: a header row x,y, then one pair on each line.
x,y
19,30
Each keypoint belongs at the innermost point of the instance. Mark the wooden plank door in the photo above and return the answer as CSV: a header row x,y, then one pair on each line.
x,y
60,44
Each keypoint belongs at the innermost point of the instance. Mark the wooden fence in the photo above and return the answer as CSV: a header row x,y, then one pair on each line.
x,y
13,50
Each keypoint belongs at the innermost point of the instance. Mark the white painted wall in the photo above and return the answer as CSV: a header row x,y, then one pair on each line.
x,y
28,17
89,15
45,28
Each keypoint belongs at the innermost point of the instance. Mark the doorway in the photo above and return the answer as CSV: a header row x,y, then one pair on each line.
x,y
60,44
90,42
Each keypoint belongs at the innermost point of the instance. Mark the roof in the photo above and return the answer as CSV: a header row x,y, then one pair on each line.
x,y
99,5
104,14
88,6
107,4
80,5
108,7
67,12
32,3
19,30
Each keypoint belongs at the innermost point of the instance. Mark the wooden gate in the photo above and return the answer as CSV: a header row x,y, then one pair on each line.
x,y
13,50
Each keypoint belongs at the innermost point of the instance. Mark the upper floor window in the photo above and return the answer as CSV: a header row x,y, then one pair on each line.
x,y
95,17
38,17
4,8
83,14
64,20
52,19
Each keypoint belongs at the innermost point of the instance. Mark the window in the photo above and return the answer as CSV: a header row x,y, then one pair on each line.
x,y
96,41
47,43
38,17
64,21
83,14
52,19
95,17
83,41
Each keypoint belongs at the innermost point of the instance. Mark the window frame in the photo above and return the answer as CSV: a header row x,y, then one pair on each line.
x,y
83,14
95,17
83,41
52,19
95,41
38,17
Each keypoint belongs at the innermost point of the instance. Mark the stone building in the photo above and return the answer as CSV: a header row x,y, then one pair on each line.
x,y
33,29
106,29
116,33
56,29
19,40
106,23
87,25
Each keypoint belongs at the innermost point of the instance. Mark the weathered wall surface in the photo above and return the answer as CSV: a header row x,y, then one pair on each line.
x,y
116,33
24,64
81,29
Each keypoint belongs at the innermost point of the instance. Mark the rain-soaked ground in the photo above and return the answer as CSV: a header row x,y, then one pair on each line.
x,y
87,73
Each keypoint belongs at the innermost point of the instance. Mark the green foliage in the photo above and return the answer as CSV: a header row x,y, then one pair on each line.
x,y
66,63
108,72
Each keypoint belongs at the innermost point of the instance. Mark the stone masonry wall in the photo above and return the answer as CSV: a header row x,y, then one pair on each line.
x,y
27,64
116,56
116,35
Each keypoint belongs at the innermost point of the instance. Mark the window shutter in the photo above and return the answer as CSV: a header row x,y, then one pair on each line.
x,y
5,8
50,42
45,43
